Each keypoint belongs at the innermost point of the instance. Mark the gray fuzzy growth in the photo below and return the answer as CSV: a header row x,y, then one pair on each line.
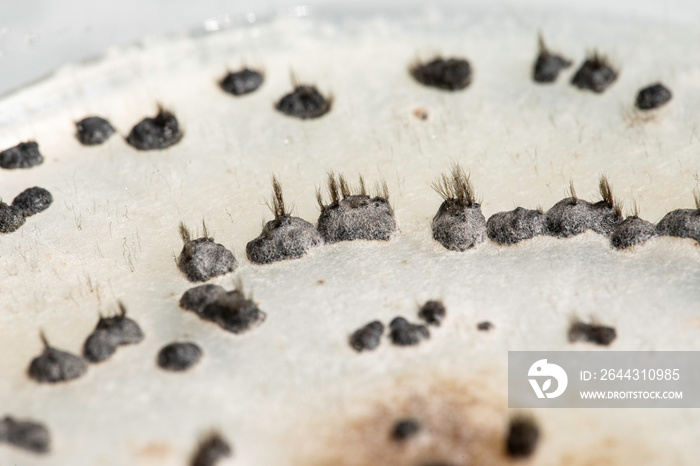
x,y
23,155
159,132
202,258
109,333
211,451
432,312
351,216
92,131
592,333
242,82
231,310
595,74
32,201
27,435
367,337
178,357
548,64
682,223
56,366
459,224
632,230
404,333
515,226
11,218
197,298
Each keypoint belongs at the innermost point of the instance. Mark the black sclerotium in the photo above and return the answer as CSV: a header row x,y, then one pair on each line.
x,y
159,132
211,450
572,216
404,333
202,258
367,337
653,96
632,231
178,357
522,437
682,223
242,82
94,130
484,326
304,102
459,224
515,226
28,435
285,237
11,218
450,74
432,312
404,429
592,333
595,74
352,216
109,333
23,155
231,310
56,366
548,64
32,201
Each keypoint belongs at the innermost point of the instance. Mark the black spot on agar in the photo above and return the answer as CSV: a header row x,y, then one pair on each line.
x,y
459,224
367,337
32,201
211,450
352,216
432,312
632,231
595,74
304,102
285,237
109,333
242,82
522,437
653,96
23,155
484,326
11,218
548,64
27,435
54,366
178,357
517,225
592,333
404,333
202,258
682,223
159,132
231,310
404,429
450,74
92,131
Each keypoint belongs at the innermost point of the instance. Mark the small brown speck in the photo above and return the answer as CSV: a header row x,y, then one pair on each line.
x,y
320,282
421,113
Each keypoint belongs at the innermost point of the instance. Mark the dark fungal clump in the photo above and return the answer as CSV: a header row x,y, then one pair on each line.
x,y
178,357
595,74
352,216
211,450
450,74
517,225
11,218
202,258
32,201
591,333
27,435
285,237
653,96
432,312
242,82
93,131
109,333
304,102
572,216
54,366
522,437
548,64
154,133
404,333
404,429
632,231
23,155
484,326
682,223
367,337
231,310
459,224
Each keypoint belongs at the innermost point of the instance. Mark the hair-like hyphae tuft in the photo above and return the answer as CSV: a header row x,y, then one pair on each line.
x,y
277,207
455,186
44,340
607,194
572,191
339,189
598,59
696,195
